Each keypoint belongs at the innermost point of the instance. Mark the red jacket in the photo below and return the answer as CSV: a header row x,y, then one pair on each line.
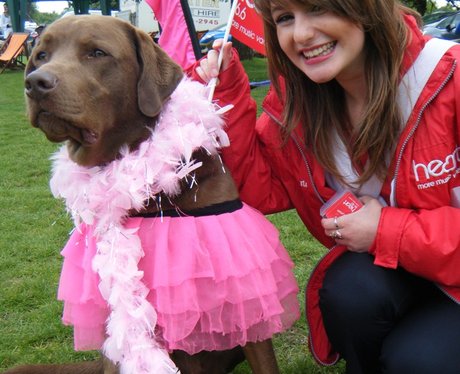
x,y
420,233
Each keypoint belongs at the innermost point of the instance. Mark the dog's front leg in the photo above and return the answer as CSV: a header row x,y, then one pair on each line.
x,y
109,367
261,357
205,362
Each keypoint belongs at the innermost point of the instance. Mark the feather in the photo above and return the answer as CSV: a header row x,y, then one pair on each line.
x,y
102,197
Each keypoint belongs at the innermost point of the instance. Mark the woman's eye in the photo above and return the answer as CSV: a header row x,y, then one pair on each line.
x,y
282,18
97,53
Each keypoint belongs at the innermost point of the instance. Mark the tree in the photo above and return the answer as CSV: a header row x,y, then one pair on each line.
x,y
454,3
419,5
38,17
96,4
429,6
114,4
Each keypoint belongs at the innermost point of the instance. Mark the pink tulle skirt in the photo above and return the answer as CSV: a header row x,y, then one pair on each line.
x,y
215,281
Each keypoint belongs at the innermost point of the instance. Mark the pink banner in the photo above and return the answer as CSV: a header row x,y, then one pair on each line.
x,y
247,26
174,37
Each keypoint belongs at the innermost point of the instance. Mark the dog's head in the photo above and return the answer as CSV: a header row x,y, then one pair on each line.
x,y
98,83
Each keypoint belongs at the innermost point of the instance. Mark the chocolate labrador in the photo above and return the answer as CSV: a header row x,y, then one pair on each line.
x,y
87,78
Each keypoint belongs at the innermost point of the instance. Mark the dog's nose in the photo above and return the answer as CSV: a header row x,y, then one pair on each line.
x,y
40,83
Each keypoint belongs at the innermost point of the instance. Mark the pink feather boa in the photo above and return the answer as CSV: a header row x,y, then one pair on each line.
x,y
102,196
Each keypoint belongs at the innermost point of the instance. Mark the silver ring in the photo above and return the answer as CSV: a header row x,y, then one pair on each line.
x,y
337,235
336,223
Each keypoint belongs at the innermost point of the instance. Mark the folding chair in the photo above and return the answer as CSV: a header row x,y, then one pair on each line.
x,y
13,51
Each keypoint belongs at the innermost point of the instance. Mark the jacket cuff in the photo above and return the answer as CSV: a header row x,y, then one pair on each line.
x,y
234,78
226,79
389,236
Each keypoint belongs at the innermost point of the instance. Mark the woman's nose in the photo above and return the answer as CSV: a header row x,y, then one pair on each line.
x,y
304,29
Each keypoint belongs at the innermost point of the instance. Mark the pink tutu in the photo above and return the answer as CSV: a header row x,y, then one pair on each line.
x,y
215,281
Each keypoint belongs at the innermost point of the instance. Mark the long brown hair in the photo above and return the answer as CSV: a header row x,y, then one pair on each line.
x,y
321,107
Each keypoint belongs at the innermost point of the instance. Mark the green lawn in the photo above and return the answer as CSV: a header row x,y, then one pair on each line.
x,y
34,227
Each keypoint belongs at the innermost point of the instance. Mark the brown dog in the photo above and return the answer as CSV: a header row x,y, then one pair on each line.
x,y
87,78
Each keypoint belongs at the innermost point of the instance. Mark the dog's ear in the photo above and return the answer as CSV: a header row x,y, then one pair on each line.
x,y
159,75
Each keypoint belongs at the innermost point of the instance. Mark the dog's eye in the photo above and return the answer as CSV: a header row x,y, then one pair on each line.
x,y
97,53
41,55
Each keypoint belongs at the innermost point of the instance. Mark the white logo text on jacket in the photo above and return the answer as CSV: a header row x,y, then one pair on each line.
x,y
437,171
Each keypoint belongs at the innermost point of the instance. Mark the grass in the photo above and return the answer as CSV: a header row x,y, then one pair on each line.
x,y
34,227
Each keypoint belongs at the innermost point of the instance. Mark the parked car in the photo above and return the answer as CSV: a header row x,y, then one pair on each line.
x,y
431,28
445,28
30,26
208,38
435,17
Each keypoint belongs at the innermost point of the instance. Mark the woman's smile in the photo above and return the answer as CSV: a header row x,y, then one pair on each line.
x,y
320,53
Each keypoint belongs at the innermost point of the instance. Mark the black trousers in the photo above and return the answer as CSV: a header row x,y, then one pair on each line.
x,y
389,321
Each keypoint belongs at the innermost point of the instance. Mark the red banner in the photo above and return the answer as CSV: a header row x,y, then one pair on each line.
x,y
247,26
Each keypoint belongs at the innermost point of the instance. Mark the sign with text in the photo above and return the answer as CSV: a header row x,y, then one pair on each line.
x,y
208,14
247,26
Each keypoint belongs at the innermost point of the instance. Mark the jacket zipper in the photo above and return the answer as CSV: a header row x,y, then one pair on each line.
x,y
447,294
417,122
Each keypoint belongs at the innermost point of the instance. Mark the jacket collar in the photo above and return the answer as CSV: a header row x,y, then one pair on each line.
x,y
415,44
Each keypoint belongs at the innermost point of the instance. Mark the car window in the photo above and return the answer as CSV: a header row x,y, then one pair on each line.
x,y
445,22
435,17
456,20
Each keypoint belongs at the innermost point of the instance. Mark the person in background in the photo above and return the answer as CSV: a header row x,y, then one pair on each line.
x,y
5,22
36,35
339,117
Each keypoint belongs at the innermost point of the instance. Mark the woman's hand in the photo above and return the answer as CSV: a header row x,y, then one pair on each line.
x,y
356,230
208,67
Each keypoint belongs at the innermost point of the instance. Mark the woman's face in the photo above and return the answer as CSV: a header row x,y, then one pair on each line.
x,y
321,44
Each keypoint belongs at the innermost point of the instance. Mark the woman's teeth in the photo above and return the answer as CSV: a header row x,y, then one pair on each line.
x,y
321,51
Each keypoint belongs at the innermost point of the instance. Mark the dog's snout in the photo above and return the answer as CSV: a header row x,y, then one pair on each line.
x,y
39,83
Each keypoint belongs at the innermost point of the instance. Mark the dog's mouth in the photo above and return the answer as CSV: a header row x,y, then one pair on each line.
x,y
58,129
